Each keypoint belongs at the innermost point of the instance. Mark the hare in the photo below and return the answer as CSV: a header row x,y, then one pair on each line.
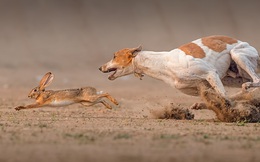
x,y
87,96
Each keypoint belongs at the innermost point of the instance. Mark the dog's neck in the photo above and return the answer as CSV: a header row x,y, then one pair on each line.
x,y
152,64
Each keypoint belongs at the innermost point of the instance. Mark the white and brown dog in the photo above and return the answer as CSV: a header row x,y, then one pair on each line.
x,y
207,59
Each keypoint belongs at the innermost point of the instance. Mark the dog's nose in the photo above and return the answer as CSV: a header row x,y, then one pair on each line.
x,y
100,68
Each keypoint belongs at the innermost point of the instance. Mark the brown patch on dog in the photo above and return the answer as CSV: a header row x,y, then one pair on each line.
x,y
218,43
193,50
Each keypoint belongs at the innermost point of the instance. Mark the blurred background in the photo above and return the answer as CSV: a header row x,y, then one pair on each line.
x,y
73,38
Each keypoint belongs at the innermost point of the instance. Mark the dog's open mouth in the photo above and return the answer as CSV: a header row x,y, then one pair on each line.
x,y
114,70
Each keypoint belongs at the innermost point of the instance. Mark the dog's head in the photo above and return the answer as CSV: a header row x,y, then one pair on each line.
x,y
121,64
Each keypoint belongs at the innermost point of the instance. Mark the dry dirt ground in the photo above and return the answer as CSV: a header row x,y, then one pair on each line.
x,y
128,132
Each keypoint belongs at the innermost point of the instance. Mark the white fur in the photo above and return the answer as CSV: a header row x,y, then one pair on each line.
x,y
61,103
185,72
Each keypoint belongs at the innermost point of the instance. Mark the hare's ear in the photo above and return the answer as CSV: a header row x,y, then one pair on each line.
x,y
46,80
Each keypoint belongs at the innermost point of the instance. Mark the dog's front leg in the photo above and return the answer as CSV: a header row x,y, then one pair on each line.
x,y
216,83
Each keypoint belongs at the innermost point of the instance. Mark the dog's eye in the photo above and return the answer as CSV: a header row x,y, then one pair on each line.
x,y
35,90
114,57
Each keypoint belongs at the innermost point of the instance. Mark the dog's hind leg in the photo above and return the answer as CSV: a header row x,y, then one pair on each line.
x,y
246,57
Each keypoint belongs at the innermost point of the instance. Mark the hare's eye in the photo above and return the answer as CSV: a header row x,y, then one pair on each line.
x,y
35,90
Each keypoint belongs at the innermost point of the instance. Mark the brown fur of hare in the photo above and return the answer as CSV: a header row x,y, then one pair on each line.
x,y
87,96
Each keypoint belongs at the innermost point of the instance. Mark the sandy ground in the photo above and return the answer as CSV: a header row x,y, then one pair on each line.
x,y
126,133
72,39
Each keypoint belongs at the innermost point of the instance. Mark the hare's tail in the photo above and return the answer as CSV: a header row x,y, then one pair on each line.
x,y
100,92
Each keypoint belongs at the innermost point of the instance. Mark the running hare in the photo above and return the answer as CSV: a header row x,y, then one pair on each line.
x,y
87,96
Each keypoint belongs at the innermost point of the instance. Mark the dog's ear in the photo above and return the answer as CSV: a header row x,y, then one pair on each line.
x,y
135,51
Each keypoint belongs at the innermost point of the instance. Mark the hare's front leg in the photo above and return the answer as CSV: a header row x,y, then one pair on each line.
x,y
27,107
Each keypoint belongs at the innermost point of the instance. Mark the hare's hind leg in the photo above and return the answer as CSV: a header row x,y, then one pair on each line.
x,y
108,96
106,104
92,100
96,102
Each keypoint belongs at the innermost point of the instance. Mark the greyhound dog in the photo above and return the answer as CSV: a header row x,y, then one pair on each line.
x,y
208,59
